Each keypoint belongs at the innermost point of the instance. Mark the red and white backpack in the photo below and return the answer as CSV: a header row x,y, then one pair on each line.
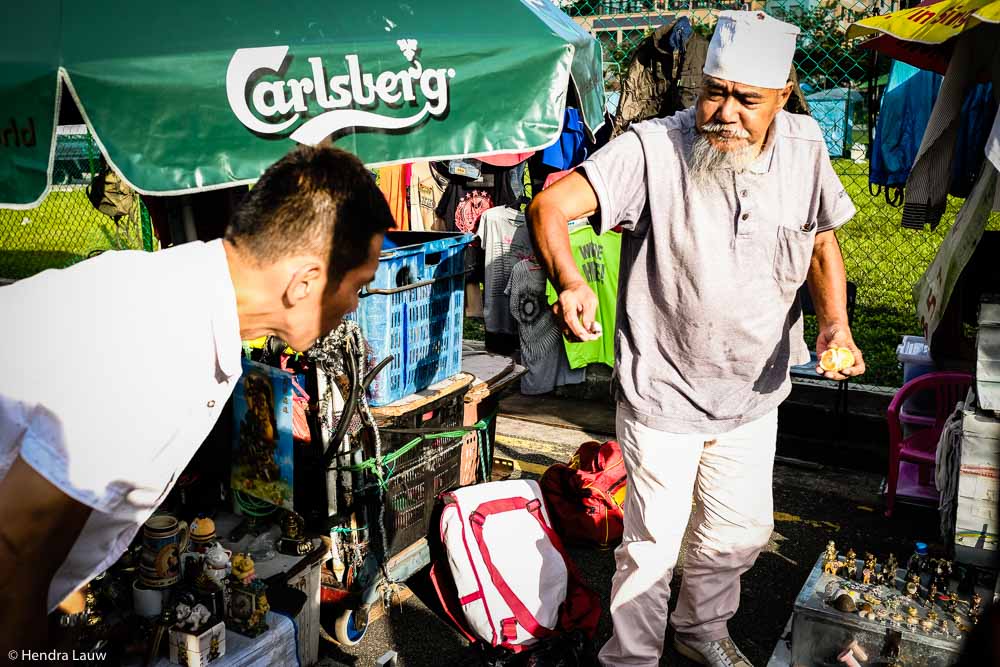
x,y
513,582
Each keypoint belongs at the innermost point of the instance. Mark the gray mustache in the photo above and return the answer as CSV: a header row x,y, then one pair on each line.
x,y
721,130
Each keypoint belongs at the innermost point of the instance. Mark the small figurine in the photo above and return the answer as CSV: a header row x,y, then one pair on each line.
x,y
927,625
191,619
976,607
293,541
216,563
247,604
202,534
932,594
913,585
866,575
891,564
831,551
953,603
851,565
943,627
832,566
243,569
911,616
944,582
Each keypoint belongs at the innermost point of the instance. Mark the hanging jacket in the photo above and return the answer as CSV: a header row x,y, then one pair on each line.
x,y
903,116
906,106
664,76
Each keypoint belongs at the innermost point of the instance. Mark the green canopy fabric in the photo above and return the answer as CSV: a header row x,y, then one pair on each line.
x,y
183,97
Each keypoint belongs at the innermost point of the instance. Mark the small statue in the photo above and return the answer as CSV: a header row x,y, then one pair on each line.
x,y
911,616
871,562
243,569
831,551
247,604
977,607
293,541
216,562
851,565
192,619
953,603
927,625
943,627
832,566
889,569
932,594
913,585
866,575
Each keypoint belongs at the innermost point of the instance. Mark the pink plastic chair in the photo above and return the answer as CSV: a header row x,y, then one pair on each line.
x,y
920,447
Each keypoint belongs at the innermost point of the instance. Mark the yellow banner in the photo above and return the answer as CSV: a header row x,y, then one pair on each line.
x,y
932,24
990,13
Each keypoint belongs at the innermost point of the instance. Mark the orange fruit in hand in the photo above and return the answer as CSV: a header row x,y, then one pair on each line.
x,y
836,359
830,359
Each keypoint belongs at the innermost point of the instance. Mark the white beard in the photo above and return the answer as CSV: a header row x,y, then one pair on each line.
x,y
705,160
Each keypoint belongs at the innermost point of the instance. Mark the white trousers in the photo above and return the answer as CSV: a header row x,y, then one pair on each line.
x,y
729,477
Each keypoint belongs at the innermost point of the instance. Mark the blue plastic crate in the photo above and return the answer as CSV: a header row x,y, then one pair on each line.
x,y
413,311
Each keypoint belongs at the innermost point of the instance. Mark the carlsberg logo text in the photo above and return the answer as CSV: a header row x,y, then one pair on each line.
x,y
351,96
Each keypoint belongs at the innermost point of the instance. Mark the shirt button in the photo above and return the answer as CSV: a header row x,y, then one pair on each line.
x,y
211,404
745,216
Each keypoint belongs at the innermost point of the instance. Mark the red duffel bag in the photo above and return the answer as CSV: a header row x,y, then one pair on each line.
x,y
585,498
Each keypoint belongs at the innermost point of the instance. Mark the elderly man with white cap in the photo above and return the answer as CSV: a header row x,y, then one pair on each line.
x,y
727,208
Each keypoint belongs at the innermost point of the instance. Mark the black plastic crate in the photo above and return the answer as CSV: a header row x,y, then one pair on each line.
x,y
415,479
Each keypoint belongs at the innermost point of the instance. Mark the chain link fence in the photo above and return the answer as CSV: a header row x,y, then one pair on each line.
x,y
65,228
841,84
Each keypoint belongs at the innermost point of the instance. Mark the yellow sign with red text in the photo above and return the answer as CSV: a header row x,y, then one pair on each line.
x,y
930,24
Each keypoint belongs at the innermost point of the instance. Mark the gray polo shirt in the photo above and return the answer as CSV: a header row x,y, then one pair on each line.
x,y
708,315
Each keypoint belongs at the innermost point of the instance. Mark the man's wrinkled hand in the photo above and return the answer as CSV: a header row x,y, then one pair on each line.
x,y
836,336
575,311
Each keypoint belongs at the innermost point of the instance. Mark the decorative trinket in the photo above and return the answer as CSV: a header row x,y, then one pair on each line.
x,y
976,607
845,603
247,604
953,603
913,585
293,541
851,565
911,616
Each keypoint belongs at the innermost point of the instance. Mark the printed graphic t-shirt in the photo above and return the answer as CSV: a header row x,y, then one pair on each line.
x,y
597,257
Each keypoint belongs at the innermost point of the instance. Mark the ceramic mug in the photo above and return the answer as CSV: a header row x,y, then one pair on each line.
x,y
147,602
164,539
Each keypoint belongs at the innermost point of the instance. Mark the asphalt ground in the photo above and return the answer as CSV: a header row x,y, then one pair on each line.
x,y
813,504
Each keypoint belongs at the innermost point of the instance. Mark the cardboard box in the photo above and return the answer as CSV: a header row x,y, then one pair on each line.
x,y
197,650
977,522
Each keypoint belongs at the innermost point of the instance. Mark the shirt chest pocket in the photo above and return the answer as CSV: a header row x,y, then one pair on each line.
x,y
792,253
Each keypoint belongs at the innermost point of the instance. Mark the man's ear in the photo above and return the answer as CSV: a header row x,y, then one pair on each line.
x,y
307,279
784,94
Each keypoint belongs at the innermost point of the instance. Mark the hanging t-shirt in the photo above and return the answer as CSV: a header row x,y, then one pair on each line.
x,y
426,189
392,181
597,258
506,241
542,351
465,200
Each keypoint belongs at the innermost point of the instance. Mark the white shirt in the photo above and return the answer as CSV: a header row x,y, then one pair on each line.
x,y
112,374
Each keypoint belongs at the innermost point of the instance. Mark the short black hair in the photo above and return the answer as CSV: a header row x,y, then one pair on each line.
x,y
316,198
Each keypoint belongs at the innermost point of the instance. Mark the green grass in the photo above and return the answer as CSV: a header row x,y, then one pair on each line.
x,y
63,230
885,261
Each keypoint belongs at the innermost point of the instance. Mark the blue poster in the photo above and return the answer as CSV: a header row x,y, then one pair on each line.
x,y
263,443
